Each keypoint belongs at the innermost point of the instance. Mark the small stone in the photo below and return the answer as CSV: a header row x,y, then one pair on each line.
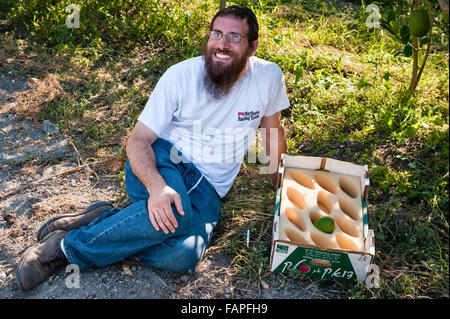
x,y
184,278
50,128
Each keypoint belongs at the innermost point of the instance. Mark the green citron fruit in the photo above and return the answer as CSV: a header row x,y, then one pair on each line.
x,y
419,22
325,224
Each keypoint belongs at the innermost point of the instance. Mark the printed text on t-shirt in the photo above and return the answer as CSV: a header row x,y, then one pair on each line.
x,y
247,116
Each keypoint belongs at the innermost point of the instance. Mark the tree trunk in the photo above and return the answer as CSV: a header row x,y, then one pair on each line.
x,y
413,83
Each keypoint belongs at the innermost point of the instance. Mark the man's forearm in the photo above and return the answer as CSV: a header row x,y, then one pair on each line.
x,y
143,163
276,145
282,148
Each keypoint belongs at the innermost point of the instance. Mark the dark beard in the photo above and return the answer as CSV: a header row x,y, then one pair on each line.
x,y
218,80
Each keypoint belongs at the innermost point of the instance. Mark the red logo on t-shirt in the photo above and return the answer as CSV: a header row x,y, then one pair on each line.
x,y
247,116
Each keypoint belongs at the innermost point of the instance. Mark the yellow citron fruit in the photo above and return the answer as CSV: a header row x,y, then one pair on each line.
x,y
419,22
325,224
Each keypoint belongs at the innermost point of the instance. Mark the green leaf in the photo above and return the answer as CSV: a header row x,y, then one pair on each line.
x,y
404,33
278,39
363,83
412,165
386,26
386,76
390,15
424,41
390,122
408,50
395,26
298,74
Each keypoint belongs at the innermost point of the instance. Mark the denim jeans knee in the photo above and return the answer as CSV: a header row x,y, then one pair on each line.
x,y
177,254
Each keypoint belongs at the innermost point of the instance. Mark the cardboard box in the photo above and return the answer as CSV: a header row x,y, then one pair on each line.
x,y
313,187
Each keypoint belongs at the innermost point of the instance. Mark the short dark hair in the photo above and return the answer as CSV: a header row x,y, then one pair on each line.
x,y
242,13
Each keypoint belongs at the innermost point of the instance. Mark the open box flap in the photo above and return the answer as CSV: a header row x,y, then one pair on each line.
x,y
329,164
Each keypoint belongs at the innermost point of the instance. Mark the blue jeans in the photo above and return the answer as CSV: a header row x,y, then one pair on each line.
x,y
119,234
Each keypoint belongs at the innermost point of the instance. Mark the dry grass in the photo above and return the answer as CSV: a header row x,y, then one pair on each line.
x,y
30,102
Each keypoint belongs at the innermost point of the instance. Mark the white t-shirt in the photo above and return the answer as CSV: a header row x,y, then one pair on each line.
x,y
212,134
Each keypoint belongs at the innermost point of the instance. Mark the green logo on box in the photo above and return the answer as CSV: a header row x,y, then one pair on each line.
x,y
282,249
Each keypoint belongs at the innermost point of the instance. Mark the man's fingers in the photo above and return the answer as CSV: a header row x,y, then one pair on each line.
x,y
156,219
178,205
160,219
170,220
153,220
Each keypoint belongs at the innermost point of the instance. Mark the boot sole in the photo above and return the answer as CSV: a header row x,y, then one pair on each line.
x,y
18,281
86,211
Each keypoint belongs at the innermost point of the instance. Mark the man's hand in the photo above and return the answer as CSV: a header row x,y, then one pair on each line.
x,y
160,208
143,163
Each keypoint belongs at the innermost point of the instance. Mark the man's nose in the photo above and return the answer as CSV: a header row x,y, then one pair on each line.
x,y
223,42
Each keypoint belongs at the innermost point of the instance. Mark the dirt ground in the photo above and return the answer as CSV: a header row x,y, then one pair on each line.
x,y
42,176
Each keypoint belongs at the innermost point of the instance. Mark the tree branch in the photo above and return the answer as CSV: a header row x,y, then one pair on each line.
x,y
415,68
444,5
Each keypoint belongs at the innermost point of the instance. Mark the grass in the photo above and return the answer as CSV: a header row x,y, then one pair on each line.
x,y
343,83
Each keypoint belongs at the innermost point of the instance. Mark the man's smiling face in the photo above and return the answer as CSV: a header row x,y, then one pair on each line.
x,y
226,61
224,51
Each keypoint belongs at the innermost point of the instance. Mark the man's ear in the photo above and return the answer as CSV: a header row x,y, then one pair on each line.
x,y
254,47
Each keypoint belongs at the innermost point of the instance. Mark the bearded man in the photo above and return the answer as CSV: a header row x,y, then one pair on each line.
x,y
183,155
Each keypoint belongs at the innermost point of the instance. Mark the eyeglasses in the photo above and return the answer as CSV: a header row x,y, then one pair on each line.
x,y
231,37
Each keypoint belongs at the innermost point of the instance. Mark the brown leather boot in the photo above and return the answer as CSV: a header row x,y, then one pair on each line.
x,y
40,261
73,221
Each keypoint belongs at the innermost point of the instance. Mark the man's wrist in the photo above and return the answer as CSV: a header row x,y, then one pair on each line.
x,y
157,183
